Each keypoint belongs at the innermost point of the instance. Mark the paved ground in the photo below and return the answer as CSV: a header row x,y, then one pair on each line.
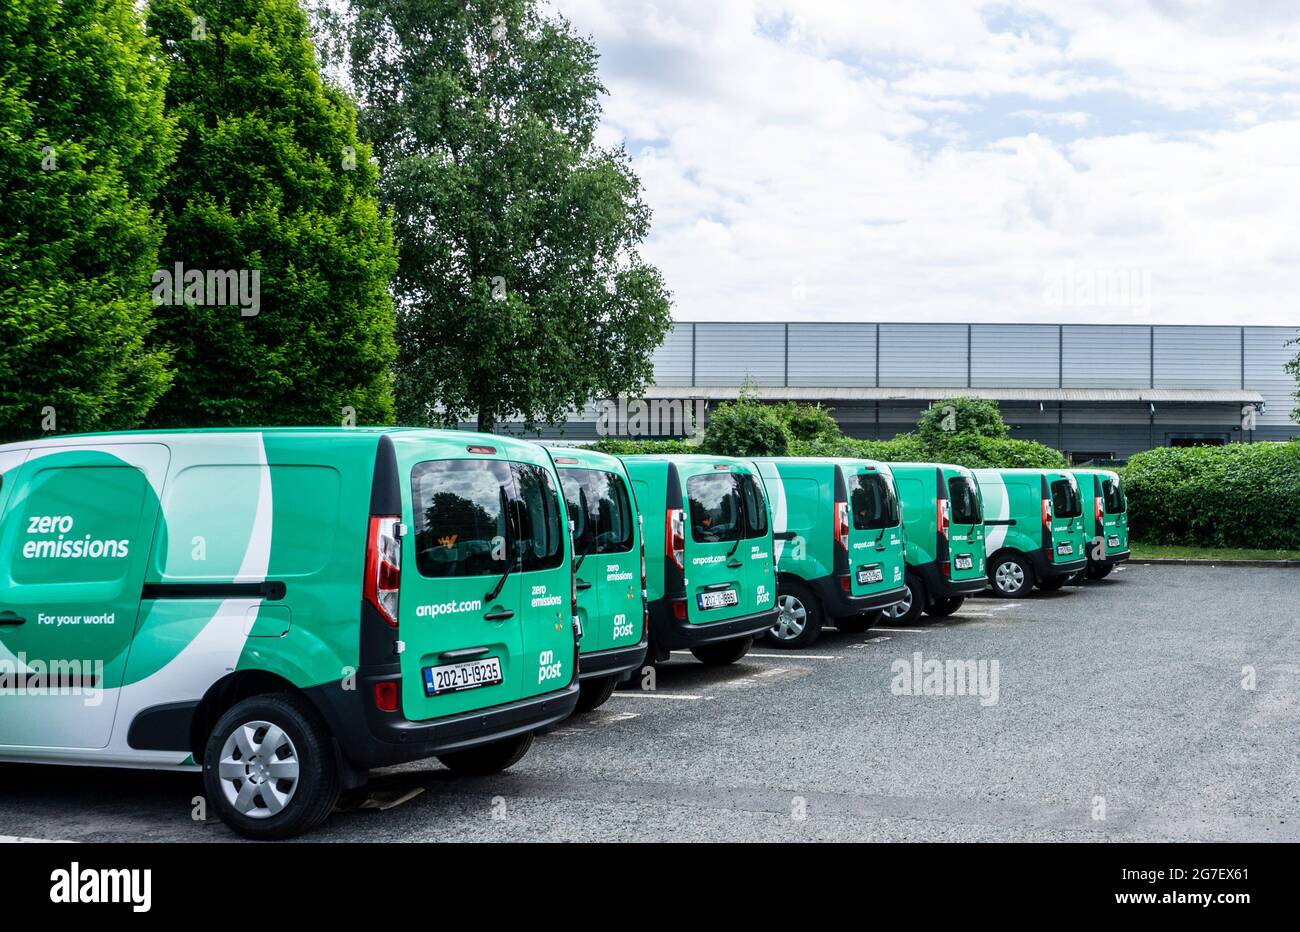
x,y
1126,694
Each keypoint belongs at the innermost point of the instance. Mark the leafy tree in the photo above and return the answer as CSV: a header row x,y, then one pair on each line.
x,y
746,428
808,422
1293,367
944,419
272,180
520,290
84,144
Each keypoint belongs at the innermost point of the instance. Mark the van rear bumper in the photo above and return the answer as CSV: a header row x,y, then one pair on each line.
x,y
839,604
615,662
939,586
669,633
1112,558
1045,567
370,738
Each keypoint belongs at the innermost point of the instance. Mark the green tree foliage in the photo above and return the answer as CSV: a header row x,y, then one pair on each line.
x,y
84,144
808,422
271,178
1238,495
1293,367
520,289
971,416
746,428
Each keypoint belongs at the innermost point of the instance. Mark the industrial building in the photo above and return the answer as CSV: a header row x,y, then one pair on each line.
x,y
1093,391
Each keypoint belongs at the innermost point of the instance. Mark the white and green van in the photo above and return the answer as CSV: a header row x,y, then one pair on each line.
x,y
284,609
839,544
1107,529
1034,528
710,563
609,565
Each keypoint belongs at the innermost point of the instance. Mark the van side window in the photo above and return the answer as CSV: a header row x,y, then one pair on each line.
x,y
1113,496
541,539
1065,499
601,510
964,500
755,507
715,507
460,517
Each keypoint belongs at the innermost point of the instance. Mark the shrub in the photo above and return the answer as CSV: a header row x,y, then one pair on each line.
x,y
746,428
953,416
808,422
975,452
1239,495
621,446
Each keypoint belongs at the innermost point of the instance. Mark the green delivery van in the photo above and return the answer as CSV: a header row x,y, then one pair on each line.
x,y
839,544
609,566
943,520
284,609
1106,520
710,563
1034,529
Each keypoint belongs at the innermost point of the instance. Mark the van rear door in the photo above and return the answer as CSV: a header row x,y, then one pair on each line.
x,y
728,562
460,617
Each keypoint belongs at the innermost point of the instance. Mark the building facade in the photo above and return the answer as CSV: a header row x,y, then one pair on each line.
x,y
1093,391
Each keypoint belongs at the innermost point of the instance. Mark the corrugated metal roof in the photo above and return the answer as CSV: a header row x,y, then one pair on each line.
x,y
866,393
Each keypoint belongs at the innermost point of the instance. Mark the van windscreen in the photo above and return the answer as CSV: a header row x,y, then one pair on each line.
x,y
460,517
964,500
1113,495
1066,502
872,502
600,509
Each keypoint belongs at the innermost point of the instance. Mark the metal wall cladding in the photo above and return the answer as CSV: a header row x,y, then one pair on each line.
x,y
1267,353
672,360
833,354
727,354
1015,355
923,355
1198,357
1103,356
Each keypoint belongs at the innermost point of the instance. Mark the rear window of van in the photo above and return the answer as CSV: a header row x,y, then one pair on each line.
x,y
725,506
964,500
600,509
1066,502
872,502
1113,496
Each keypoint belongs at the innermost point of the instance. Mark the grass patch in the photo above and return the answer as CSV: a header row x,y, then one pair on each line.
x,y
1222,554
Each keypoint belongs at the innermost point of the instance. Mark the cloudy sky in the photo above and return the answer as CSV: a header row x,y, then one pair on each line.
x,y
1107,161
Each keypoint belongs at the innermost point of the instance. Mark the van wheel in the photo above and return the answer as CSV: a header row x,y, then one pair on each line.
x,y
1012,576
487,759
269,767
1098,570
799,622
722,653
595,693
1052,583
908,610
856,624
942,608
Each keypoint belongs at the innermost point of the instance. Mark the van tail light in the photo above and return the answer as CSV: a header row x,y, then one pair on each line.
x,y
386,696
842,525
383,568
947,570
1047,513
1101,510
675,537
942,516
679,609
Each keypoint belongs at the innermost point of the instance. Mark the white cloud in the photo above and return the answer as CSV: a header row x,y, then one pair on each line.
x,y
941,161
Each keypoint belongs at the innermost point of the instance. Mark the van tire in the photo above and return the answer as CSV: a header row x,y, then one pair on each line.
x,y
907,611
723,652
857,624
942,608
1098,570
1007,569
595,693
1052,583
487,759
804,615
317,785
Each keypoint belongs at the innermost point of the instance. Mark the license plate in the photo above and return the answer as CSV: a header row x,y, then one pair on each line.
x,y
962,562
1064,550
719,599
454,677
870,574
1112,542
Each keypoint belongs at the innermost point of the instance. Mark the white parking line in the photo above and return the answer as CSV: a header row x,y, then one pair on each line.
x,y
909,630
652,694
1006,606
796,656
18,839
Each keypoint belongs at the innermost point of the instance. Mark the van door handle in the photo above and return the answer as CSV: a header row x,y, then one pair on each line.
x,y
583,586
9,619
734,564
465,654
716,586
499,616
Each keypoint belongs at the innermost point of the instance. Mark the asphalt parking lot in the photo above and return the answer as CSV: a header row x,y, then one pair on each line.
x,y
1121,712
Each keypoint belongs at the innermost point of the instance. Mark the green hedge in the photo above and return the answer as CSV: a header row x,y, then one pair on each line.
x,y
617,446
1239,495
